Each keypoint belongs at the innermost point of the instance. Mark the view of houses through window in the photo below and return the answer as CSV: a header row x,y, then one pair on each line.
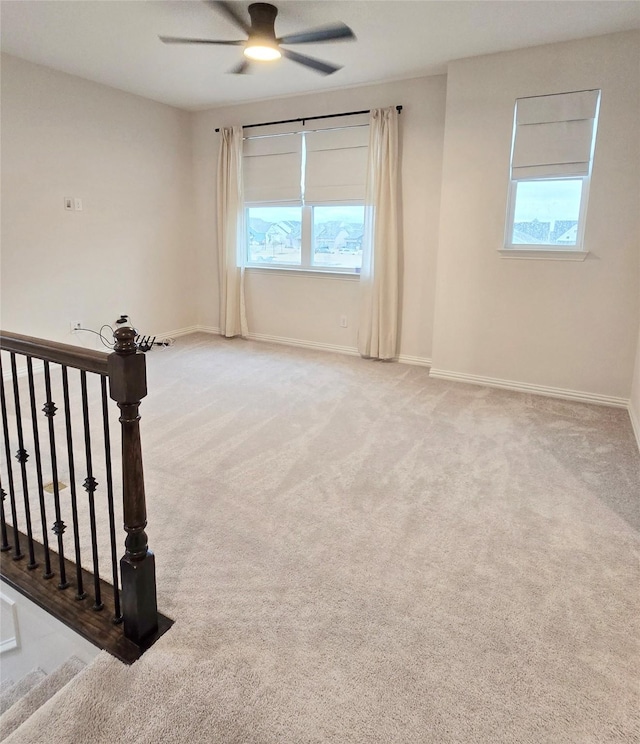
x,y
280,236
547,212
552,150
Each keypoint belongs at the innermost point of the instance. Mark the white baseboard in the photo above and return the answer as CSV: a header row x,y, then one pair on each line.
x,y
303,344
525,387
418,361
180,332
521,387
209,329
635,424
286,341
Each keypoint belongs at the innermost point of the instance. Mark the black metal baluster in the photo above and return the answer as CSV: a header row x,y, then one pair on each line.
x,y
3,526
80,593
48,573
90,485
22,456
17,553
59,526
112,523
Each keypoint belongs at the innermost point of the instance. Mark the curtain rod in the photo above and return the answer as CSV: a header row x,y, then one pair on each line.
x,y
308,118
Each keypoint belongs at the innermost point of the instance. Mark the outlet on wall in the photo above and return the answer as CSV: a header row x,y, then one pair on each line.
x,y
72,204
75,325
343,321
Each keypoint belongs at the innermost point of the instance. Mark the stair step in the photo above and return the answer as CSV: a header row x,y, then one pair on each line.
x,y
18,690
5,685
38,695
96,627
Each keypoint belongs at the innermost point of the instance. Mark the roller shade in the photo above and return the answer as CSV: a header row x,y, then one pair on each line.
x,y
272,167
554,135
336,165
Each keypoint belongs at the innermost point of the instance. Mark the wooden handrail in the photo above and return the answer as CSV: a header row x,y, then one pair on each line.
x,y
125,368
89,360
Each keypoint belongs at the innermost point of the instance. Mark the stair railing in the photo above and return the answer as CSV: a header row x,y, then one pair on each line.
x,y
123,372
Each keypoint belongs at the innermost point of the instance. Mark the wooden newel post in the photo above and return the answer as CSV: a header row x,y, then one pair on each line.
x,y
128,385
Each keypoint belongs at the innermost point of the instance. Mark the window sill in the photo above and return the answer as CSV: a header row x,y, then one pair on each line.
x,y
542,254
293,271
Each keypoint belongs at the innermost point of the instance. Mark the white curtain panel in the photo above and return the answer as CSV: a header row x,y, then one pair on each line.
x,y
233,320
378,333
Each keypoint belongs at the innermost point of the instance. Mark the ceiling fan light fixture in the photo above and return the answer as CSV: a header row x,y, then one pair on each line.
x,y
262,44
262,50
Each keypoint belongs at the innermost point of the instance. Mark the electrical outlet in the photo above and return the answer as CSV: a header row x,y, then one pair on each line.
x,y
77,204
75,325
343,321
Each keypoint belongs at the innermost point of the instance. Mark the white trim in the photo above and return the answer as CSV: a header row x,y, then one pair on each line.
x,y
9,644
525,387
635,423
339,274
549,247
208,329
350,350
174,334
286,341
12,641
187,330
521,387
417,361
543,254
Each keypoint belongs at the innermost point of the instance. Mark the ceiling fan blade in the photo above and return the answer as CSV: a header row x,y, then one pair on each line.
x,y
180,40
240,69
228,10
325,68
318,35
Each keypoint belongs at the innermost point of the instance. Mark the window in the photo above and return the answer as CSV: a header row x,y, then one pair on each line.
x,y
304,198
274,235
547,212
326,238
337,237
551,159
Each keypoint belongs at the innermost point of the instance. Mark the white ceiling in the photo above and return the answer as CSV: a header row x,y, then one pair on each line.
x,y
115,42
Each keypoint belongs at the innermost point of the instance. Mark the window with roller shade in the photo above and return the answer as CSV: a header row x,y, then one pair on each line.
x,y
551,161
304,196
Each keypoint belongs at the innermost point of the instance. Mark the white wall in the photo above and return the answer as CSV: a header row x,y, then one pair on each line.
x,y
131,248
565,325
145,242
42,642
306,307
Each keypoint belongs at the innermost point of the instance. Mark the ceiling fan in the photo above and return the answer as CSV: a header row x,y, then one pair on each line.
x,y
263,45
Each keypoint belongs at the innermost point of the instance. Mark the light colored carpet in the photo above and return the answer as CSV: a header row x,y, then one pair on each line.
x,y
14,692
354,552
37,694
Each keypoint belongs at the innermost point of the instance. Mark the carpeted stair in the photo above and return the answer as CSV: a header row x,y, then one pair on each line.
x,y
20,700
14,692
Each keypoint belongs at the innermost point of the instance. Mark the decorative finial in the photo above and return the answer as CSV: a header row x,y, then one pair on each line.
x,y
125,340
